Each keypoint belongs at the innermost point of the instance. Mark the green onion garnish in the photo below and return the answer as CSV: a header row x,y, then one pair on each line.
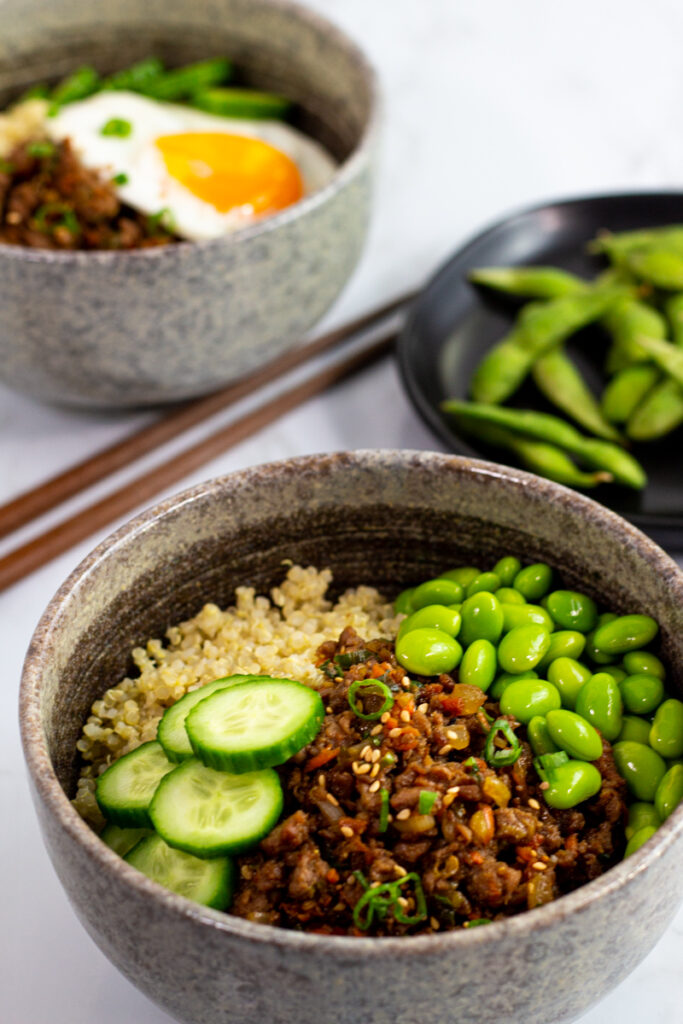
x,y
345,661
6,167
388,760
117,126
35,92
41,148
120,179
384,810
370,685
508,755
426,801
378,900
56,215
546,764
475,922
472,763
161,221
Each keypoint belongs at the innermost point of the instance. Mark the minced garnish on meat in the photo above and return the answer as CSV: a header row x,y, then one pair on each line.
x,y
396,824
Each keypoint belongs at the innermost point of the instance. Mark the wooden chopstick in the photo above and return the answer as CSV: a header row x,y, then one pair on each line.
x,y
77,478
29,557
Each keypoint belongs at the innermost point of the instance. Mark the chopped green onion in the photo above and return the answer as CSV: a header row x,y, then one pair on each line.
x,y
77,86
41,148
180,83
136,76
420,902
163,220
120,179
369,684
117,126
345,661
250,103
67,218
546,764
378,900
426,801
475,922
472,763
388,760
6,167
35,92
508,755
384,810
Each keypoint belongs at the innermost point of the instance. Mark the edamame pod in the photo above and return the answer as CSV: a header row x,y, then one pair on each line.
x,y
640,815
641,767
436,616
436,591
572,783
565,643
572,610
625,633
641,693
522,648
539,738
667,356
599,702
556,377
669,791
666,734
574,734
428,652
627,390
528,698
658,265
479,664
528,282
660,412
482,619
568,675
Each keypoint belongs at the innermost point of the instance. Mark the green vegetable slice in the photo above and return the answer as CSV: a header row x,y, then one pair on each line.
x,y
231,102
122,840
171,732
209,882
124,792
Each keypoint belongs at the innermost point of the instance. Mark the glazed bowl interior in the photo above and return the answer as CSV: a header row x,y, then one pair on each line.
x,y
389,519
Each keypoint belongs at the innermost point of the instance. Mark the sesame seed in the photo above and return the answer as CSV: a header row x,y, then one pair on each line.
x,y
448,799
402,815
321,779
453,789
395,732
434,923
402,902
339,679
355,765
347,831
367,749
390,818
376,731
400,871
534,804
538,865
405,683
246,871
405,715
424,707
374,786
445,749
544,786
385,717
376,754
362,769
374,771
328,710
333,800
451,734
452,864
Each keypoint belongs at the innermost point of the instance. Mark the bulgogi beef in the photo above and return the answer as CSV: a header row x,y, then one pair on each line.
x,y
398,825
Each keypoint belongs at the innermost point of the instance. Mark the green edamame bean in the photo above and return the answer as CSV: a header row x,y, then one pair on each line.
x,y
593,654
574,734
568,675
506,569
636,662
482,619
534,580
571,784
605,617
625,633
640,815
464,574
488,582
572,610
639,839
437,591
508,595
503,681
634,728
565,643
539,737
599,702
523,648
641,694
403,604
515,615
666,734
435,616
669,791
641,767
615,672
428,652
528,698
479,664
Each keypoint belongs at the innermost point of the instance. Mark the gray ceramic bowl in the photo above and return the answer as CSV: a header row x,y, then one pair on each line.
x,y
389,518
137,328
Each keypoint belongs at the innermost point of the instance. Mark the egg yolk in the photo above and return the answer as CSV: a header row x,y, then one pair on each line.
x,y
229,171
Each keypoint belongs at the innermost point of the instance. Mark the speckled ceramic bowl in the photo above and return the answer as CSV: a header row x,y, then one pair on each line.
x,y
149,326
390,518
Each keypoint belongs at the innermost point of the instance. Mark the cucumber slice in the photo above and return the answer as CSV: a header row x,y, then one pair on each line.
x,y
254,725
231,102
171,732
209,813
122,840
125,790
210,882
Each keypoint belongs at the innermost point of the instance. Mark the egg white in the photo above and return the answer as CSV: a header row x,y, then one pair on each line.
x,y
149,187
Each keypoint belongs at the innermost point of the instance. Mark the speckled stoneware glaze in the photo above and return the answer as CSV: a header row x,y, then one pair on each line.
x,y
156,325
392,519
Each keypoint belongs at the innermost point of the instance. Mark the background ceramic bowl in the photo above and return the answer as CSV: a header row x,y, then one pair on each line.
x,y
156,325
388,518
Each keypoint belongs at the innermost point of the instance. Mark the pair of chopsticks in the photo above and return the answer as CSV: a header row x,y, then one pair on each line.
x,y
25,559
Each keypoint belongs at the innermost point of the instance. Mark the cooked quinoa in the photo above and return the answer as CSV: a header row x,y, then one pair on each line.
x,y
277,636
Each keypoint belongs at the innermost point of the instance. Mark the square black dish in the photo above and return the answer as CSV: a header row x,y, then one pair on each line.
x,y
453,323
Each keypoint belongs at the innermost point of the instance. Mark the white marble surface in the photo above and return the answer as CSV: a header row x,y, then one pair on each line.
x,y
489,104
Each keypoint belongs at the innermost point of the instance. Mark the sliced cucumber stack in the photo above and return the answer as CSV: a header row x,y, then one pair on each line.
x,y
210,882
209,813
254,725
124,792
121,840
171,732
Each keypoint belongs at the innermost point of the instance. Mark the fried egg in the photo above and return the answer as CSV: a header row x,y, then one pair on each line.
x,y
212,174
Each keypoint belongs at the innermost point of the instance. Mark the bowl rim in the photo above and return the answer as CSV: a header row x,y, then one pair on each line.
x,y
344,173
348,948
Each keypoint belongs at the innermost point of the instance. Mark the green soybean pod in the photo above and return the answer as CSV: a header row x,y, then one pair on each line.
x,y
565,643
669,791
539,737
482,619
643,661
428,652
436,616
515,615
641,815
533,581
599,702
488,582
666,734
571,784
463,574
574,734
615,672
625,633
403,604
436,591
508,595
506,569
523,648
634,728
503,681
528,698
568,675
572,610
479,664
641,693
639,839
641,767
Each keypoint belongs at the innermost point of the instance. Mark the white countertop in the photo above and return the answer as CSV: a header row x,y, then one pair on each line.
x,y
489,105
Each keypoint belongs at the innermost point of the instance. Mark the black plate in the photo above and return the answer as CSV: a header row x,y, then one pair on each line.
x,y
452,324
